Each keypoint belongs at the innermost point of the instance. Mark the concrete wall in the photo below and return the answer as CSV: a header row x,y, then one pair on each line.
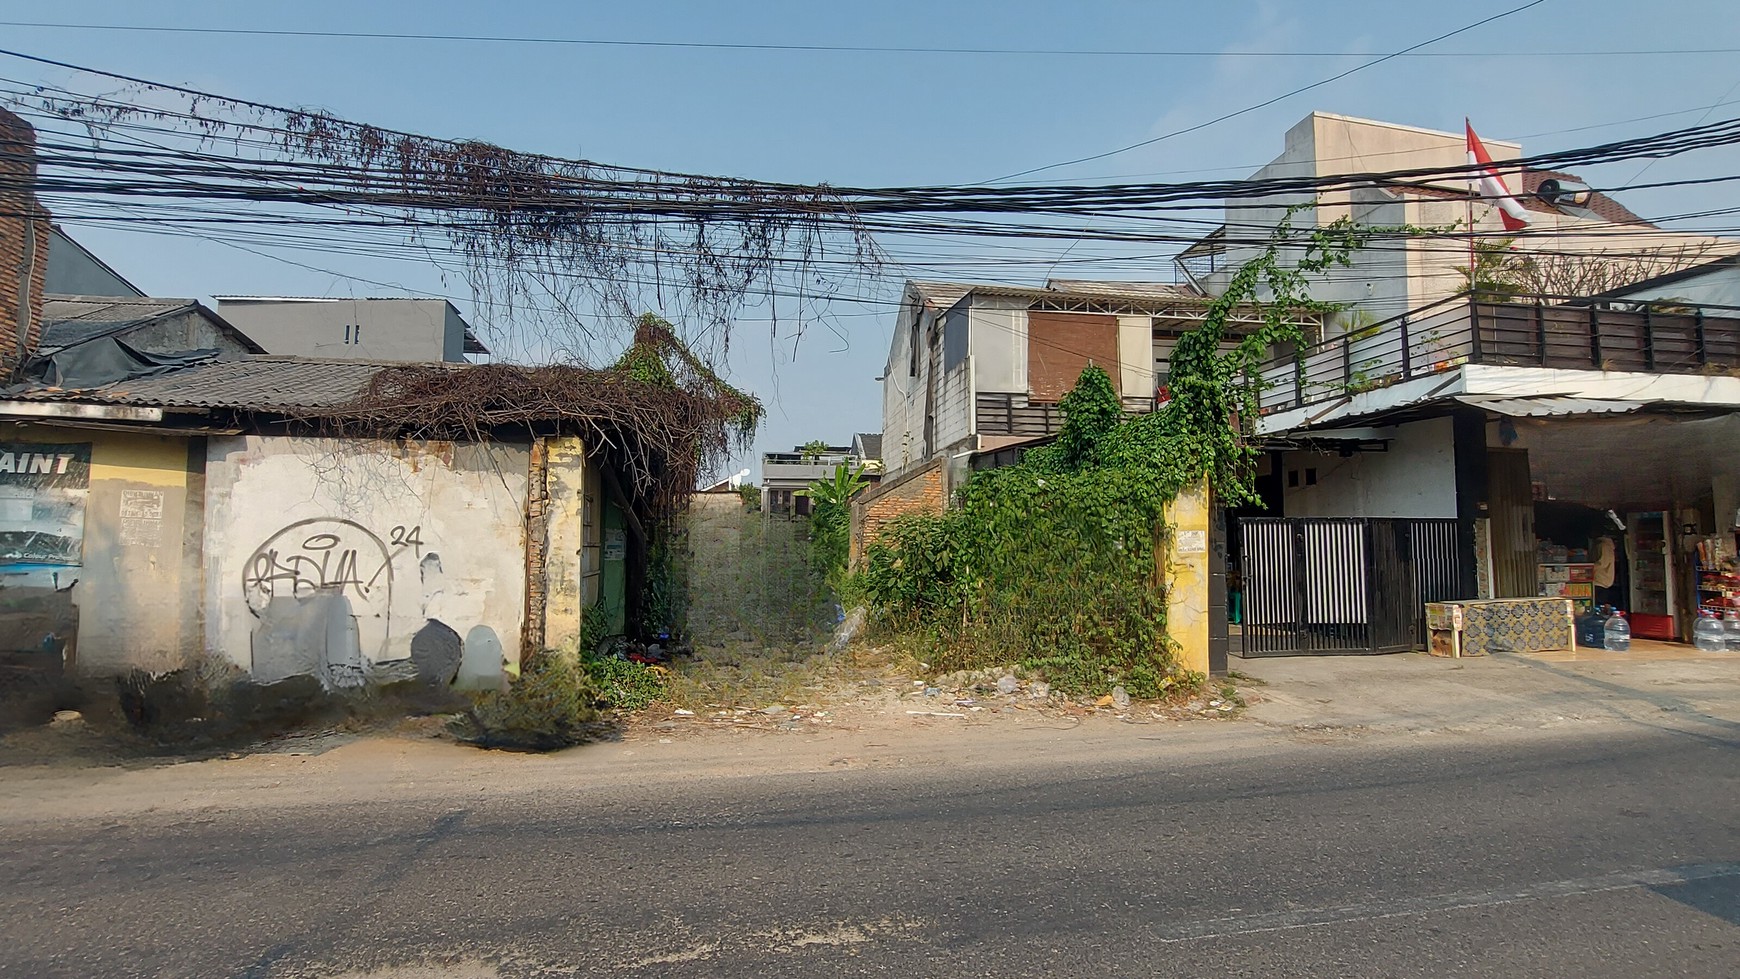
x,y
130,597
1415,478
336,558
351,329
189,331
1185,567
1136,356
452,335
954,408
565,552
74,271
903,394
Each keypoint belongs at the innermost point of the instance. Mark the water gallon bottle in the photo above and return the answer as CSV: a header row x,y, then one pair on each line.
x,y
1592,627
1731,631
1617,633
1708,633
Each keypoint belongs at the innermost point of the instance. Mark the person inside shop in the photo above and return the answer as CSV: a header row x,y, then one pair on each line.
x,y
1605,555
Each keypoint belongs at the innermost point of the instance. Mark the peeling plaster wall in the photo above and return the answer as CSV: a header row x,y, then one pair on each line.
x,y
333,558
565,552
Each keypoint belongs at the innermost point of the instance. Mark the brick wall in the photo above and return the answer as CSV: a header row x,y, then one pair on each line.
x,y
23,237
923,490
1061,345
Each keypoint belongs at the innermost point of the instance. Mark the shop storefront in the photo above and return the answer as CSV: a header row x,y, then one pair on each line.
x,y
1633,511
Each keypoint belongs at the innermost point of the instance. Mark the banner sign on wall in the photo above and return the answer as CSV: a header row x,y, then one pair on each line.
x,y
43,489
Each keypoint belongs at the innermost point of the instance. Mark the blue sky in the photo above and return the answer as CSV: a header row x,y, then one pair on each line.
x,y
900,118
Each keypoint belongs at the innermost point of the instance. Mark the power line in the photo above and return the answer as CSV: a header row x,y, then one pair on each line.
x,y
1285,95
841,48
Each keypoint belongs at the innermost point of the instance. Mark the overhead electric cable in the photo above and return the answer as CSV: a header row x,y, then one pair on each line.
x,y
1193,53
1283,96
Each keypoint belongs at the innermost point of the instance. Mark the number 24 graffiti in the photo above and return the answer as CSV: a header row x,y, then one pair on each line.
x,y
412,537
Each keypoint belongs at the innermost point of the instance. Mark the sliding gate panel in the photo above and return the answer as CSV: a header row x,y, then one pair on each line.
x,y
1341,585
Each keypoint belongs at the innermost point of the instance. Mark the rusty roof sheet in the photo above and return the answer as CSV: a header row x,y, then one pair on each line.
x,y
250,384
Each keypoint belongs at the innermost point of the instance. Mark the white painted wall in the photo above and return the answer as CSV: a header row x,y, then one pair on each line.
x,y
954,406
1719,286
1136,356
1415,478
903,397
999,343
314,546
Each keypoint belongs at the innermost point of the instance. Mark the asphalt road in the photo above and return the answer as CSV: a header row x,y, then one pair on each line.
x,y
1612,853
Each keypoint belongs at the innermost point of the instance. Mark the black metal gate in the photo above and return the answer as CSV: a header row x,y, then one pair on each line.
x,y
1340,585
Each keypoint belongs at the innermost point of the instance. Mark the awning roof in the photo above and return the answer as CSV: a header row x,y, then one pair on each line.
x,y
1553,406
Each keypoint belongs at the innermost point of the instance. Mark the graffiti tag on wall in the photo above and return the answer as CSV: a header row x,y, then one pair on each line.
x,y
319,555
321,591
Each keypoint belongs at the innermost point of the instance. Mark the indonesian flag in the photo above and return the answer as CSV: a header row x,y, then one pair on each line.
x,y
1491,186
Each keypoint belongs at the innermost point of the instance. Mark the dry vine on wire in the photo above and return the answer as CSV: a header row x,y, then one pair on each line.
x,y
530,231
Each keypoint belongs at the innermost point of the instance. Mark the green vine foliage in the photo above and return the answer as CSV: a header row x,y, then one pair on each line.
x,y
831,522
1054,563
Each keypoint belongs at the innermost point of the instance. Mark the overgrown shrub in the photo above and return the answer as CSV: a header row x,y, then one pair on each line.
x,y
1053,563
623,684
1050,563
551,704
831,522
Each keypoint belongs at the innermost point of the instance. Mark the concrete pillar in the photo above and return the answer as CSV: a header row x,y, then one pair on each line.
x,y
564,541
1185,567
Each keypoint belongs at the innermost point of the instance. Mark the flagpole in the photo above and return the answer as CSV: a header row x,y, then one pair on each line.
x,y
1473,184
1473,272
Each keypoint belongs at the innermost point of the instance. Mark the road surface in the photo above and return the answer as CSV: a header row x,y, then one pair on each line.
x,y
1599,849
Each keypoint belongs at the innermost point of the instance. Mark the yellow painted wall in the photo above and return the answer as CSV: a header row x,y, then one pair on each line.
x,y
138,590
1185,567
564,541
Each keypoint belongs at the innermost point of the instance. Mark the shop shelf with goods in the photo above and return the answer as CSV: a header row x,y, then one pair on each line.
x,y
1567,579
1652,576
1716,574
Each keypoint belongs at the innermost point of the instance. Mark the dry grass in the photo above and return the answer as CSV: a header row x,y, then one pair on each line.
x,y
752,675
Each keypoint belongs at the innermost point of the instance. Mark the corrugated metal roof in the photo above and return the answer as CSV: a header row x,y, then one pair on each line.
x,y
71,320
1553,406
253,384
942,295
1142,290
108,309
938,295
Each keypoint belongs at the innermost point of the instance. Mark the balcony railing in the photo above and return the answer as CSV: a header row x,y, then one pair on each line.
x,y
1563,332
829,459
792,467
1017,414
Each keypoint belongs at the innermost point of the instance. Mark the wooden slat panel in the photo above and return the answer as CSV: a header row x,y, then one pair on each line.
x,y
1510,504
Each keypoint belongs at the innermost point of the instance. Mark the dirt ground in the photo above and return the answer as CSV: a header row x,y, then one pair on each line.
x,y
894,722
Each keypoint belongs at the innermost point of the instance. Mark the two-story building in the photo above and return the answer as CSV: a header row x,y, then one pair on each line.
x,y
1441,442
979,368
380,329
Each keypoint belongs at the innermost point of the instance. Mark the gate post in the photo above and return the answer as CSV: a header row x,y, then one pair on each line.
x,y
1184,569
